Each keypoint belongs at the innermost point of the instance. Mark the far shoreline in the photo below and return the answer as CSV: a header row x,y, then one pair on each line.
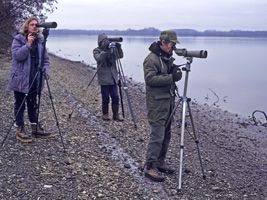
x,y
155,32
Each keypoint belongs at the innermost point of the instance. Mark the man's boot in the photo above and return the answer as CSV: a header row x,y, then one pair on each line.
x,y
162,167
115,110
153,174
105,116
38,130
22,136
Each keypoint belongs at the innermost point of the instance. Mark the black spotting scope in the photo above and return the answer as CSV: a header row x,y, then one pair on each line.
x,y
48,25
195,53
115,39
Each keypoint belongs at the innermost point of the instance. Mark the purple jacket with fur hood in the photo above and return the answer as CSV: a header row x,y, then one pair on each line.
x,y
21,62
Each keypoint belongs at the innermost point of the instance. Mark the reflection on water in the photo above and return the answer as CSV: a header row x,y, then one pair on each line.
x,y
234,72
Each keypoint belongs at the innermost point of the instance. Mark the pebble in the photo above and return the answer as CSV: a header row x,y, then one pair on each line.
x,y
48,186
127,166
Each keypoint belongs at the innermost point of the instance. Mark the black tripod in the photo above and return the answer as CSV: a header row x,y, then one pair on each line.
x,y
186,103
122,83
41,74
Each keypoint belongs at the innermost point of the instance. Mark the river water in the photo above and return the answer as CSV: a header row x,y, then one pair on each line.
x,y
233,74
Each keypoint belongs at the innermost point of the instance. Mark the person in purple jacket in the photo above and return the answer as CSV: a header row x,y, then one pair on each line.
x,y
27,50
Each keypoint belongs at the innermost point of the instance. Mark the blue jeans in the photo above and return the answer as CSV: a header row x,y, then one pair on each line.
x,y
31,101
112,91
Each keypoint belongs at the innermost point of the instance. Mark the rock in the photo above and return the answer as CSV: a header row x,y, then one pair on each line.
x,y
100,195
48,186
216,189
127,166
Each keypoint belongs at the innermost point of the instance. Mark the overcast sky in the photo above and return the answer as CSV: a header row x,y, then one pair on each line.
x,y
161,14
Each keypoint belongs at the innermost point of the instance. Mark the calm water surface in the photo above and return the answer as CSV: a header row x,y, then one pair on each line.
x,y
236,68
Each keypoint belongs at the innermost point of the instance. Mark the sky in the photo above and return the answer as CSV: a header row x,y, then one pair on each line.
x,y
201,15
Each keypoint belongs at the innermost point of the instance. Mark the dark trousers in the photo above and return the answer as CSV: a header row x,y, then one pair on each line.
x,y
158,145
109,91
31,101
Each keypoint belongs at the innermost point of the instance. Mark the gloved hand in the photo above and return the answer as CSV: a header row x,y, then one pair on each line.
x,y
176,73
112,45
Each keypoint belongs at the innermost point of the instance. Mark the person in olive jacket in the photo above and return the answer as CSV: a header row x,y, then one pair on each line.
x,y
160,75
27,50
107,75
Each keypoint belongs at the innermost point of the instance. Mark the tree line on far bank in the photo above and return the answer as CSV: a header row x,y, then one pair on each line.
x,y
14,12
155,32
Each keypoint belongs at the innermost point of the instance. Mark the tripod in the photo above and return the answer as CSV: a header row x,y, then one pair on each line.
x,y
92,79
39,74
186,103
122,83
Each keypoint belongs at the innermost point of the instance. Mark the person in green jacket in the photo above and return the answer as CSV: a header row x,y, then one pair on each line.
x,y
107,75
160,75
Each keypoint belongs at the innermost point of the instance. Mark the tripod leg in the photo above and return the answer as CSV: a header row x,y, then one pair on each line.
x,y
182,143
20,107
92,79
123,83
38,106
130,107
2,144
55,114
196,140
121,98
173,112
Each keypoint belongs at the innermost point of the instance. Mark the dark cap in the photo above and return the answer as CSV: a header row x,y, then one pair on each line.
x,y
169,35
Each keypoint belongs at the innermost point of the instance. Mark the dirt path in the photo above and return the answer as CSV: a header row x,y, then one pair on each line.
x,y
103,159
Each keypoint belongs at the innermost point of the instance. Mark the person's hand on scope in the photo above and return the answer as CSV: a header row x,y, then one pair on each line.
x,y
112,45
176,73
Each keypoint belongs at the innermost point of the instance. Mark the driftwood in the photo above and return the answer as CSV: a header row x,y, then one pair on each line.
x,y
259,122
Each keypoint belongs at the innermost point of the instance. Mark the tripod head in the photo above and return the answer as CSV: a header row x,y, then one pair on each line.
x,y
187,64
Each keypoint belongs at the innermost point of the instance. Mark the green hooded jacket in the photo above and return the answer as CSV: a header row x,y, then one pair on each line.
x,y
160,87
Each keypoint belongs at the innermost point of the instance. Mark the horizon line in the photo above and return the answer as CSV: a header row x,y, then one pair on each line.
x,y
127,29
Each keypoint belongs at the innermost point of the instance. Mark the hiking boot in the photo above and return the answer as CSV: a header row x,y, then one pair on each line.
x,y
105,112
115,110
22,136
154,175
117,118
105,117
165,169
38,130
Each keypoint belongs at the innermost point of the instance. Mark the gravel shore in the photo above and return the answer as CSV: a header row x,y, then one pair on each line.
x,y
103,158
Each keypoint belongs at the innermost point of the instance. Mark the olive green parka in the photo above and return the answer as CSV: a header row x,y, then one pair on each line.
x,y
160,87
